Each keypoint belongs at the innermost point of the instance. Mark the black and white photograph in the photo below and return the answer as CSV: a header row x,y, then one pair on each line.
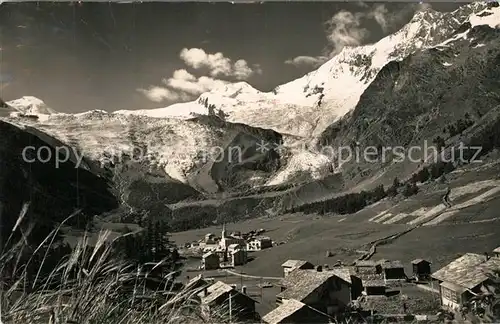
x,y
260,162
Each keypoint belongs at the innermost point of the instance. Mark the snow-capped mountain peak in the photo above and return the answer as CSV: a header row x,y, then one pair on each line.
x,y
235,89
230,98
489,16
354,68
306,106
30,105
303,108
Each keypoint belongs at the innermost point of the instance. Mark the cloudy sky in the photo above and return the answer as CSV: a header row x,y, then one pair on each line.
x,y
136,56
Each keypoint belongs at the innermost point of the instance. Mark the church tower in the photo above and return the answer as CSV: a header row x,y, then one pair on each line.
x,y
223,231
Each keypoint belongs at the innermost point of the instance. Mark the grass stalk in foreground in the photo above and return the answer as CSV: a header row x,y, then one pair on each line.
x,y
89,284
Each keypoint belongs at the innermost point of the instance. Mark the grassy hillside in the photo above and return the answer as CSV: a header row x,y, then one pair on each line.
x,y
52,192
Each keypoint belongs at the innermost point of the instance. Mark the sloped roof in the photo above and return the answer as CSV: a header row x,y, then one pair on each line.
x,y
392,264
280,313
417,261
261,238
232,238
374,283
301,283
218,289
206,255
343,273
193,281
371,278
295,263
295,277
468,271
366,263
453,287
237,251
215,291
497,250
287,309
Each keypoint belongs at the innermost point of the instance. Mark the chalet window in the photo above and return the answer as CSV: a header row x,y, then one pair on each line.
x,y
446,293
450,295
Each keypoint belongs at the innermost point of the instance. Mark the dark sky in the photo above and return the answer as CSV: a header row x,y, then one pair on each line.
x,y
99,55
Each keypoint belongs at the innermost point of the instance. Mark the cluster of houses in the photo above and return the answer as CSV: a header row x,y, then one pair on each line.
x,y
230,250
310,293
323,292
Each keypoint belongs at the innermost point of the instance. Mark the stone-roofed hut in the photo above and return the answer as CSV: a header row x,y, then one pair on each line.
x,y
293,311
464,277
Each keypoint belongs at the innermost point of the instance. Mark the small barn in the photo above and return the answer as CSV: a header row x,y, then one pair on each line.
x,y
210,261
393,270
421,269
222,299
210,238
374,287
326,291
464,278
292,265
368,266
238,257
347,273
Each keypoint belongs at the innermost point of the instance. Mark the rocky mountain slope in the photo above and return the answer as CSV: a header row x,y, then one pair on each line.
x,y
306,106
416,100
162,161
51,194
441,96
196,168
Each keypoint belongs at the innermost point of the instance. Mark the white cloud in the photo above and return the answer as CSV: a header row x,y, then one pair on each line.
x,y
182,74
184,86
185,82
380,14
197,58
387,19
307,61
217,64
241,70
159,94
344,29
347,28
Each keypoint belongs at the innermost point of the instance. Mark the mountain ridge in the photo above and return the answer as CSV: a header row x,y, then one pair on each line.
x,y
311,102
381,73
